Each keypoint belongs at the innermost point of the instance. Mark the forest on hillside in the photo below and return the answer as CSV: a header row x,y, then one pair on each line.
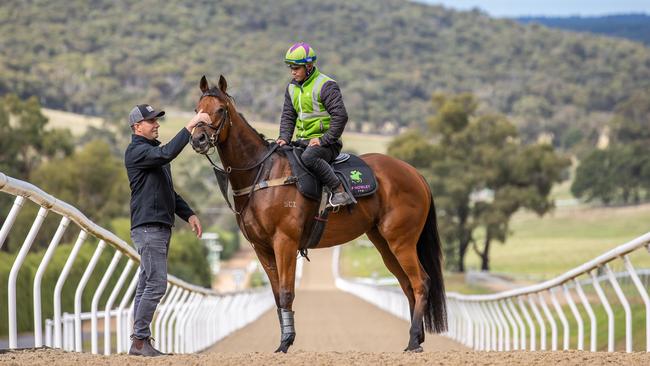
x,y
101,57
635,27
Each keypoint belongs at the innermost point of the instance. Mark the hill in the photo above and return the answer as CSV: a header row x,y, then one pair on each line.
x,y
101,57
635,27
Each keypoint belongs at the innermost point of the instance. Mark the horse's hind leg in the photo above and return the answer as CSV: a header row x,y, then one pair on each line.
x,y
404,248
393,265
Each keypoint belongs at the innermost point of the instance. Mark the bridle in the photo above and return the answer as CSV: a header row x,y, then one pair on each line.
x,y
213,139
223,174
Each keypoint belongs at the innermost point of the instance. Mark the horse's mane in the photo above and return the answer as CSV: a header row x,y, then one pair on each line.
x,y
216,92
261,135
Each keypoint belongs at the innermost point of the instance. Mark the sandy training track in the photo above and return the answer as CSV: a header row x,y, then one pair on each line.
x,y
333,328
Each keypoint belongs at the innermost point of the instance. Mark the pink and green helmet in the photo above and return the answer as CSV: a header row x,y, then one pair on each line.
x,y
300,53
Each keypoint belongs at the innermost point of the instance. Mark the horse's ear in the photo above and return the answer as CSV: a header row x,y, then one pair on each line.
x,y
204,84
223,85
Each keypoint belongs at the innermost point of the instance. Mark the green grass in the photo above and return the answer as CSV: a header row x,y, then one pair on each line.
x,y
548,246
77,123
361,259
638,320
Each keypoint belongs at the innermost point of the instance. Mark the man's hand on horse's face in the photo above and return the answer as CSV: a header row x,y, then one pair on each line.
x,y
199,117
314,142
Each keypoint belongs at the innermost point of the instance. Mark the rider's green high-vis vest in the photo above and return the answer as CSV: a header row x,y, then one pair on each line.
x,y
313,120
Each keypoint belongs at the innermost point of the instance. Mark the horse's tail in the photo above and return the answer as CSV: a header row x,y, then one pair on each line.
x,y
430,255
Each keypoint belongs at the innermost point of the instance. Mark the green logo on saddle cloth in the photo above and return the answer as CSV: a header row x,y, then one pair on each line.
x,y
355,175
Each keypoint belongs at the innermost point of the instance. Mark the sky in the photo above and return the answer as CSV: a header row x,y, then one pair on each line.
x,y
514,8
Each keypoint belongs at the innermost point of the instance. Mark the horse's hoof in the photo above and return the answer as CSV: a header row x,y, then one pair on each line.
x,y
417,349
284,347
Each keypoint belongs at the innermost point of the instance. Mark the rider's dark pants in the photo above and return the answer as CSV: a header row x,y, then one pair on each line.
x,y
317,159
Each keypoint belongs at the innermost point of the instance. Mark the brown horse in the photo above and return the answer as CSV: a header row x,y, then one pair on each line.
x,y
399,218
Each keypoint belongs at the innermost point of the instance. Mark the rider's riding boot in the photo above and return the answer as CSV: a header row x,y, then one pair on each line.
x,y
143,347
340,197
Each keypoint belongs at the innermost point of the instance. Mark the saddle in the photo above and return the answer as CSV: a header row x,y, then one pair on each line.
x,y
357,177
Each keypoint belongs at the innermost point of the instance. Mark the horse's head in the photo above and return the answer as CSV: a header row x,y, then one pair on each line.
x,y
216,103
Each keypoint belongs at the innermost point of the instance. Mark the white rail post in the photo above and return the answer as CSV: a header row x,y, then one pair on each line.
x,y
529,321
109,305
162,341
187,342
38,324
550,319
11,218
626,308
77,295
514,344
644,296
95,301
608,310
540,321
563,320
520,322
504,343
590,313
48,332
163,308
490,331
469,330
59,286
180,321
576,315
478,324
13,275
170,325
123,329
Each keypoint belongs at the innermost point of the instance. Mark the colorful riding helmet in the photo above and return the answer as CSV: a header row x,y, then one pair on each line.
x,y
300,53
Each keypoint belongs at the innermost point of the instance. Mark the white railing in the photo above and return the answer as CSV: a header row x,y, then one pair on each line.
x,y
564,306
190,318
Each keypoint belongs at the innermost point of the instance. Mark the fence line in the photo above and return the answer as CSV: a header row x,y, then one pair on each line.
x,y
182,325
512,319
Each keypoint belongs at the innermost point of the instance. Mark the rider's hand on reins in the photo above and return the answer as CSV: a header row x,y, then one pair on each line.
x,y
199,117
314,142
281,142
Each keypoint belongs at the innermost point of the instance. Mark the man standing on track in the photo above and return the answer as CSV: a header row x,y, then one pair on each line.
x,y
153,205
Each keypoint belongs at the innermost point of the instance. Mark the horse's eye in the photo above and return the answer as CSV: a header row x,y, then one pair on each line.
x,y
195,111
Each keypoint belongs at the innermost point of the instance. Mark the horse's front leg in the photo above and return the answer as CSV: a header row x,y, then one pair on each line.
x,y
285,257
267,260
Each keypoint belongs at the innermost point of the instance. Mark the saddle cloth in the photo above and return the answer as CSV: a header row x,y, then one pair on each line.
x,y
355,174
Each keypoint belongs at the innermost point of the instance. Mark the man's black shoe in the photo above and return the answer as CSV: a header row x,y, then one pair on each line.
x,y
143,347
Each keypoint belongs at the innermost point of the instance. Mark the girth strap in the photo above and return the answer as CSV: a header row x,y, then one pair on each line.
x,y
265,184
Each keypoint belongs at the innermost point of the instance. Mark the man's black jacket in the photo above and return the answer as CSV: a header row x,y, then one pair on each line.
x,y
153,199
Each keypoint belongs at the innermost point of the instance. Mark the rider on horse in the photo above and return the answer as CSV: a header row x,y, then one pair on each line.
x,y
313,106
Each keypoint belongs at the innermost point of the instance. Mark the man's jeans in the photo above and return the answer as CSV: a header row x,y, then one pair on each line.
x,y
152,243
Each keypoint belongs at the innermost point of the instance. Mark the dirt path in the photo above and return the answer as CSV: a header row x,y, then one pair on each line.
x,y
329,320
333,328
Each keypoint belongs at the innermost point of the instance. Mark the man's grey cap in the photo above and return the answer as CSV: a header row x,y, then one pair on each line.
x,y
143,111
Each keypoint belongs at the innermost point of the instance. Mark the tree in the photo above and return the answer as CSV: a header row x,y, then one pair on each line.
x,y
92,179
480,174
24,141
621,171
